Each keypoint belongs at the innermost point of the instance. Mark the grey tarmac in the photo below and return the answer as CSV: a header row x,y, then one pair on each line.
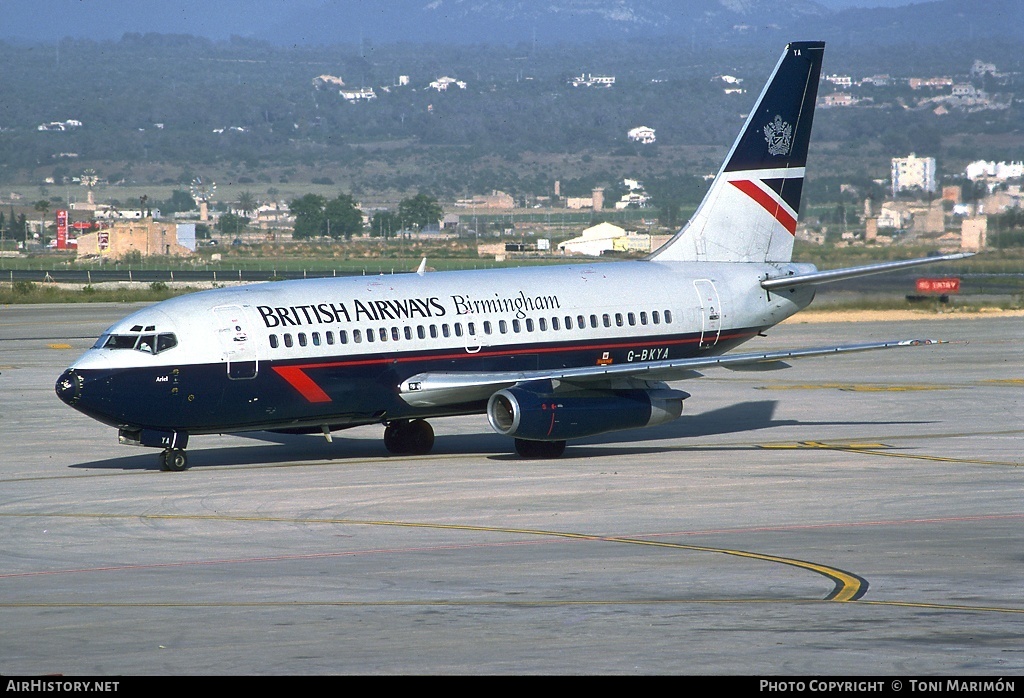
x,y
856,515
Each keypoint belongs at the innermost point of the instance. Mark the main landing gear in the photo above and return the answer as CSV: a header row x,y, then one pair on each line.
x,y
404,437
174,460
540,449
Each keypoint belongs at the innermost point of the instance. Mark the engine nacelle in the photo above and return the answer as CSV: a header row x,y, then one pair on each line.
x,y
540,416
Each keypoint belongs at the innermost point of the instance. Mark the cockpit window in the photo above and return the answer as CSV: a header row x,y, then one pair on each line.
x,y
165,341
146,343
121,341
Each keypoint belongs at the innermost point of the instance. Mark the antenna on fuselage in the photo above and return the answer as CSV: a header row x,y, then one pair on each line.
x,y
423,266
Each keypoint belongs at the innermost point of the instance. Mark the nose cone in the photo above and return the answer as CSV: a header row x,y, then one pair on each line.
x,y
69,387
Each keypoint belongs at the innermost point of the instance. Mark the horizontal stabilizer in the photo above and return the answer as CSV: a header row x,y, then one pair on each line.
x,y
824,277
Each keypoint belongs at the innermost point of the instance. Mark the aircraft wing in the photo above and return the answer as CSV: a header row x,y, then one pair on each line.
x,y
822,277
434,388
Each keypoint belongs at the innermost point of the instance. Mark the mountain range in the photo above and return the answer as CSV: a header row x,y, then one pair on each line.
x,y
698,22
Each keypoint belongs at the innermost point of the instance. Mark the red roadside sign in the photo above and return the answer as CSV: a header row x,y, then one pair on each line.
x,y
949,285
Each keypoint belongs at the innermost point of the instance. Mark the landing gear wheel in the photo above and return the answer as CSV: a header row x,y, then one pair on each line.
x,y
409,438
540,449
174,460
392,437
420,437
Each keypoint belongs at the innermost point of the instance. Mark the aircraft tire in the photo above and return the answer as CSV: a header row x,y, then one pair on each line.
x,y
540,449
419,437
174,460
409,438
393,437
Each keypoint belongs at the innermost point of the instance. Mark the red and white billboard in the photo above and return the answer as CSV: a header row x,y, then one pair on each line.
x,y
62,229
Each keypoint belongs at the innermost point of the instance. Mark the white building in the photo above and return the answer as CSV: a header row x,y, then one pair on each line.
x,y
839,99
363,94
589,80
593,241
641,134
913,172
986,169
443,83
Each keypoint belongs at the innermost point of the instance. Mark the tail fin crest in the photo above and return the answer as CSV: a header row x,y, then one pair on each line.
x,y
750,212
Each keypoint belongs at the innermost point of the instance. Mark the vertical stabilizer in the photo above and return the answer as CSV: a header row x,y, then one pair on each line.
x,y
750,212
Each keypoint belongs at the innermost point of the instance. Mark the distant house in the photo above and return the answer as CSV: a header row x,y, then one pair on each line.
x,y
641,134
147,237
496,199
363,94
1001,171
443,83
588,80
322,81
60,125
593,241
839,99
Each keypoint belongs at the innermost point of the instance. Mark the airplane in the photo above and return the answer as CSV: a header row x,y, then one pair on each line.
x,y
548,354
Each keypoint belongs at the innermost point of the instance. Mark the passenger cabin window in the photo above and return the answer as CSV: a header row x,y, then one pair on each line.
x,y
668,316
316,339
273,341
288,340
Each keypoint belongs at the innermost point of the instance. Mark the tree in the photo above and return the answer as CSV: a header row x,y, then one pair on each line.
x,y
43,206
315,216
421,210
342,218
246,203
385,224
231,224
179,201
309,215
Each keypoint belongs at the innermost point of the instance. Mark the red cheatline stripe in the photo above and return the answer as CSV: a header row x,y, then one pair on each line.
x,y
296,375
520,349
767,202
297,378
